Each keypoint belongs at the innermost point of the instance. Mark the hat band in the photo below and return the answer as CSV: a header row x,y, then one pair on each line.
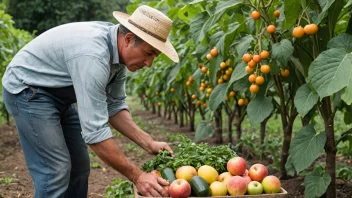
x,y
146,31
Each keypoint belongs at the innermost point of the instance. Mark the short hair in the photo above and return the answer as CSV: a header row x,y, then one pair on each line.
x,y
123,30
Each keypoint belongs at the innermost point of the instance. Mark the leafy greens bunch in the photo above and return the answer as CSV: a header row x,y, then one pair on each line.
x,y
190,153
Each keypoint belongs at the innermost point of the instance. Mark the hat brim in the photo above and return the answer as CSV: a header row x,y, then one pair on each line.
x,y
164,47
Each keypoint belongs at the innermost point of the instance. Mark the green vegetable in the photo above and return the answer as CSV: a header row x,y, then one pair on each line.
x,y
199,186
168,174
190,153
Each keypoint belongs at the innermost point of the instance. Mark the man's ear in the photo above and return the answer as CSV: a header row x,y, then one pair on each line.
x,y
129,38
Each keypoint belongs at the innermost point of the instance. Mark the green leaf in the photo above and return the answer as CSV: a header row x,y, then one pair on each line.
x,y
316,183
305,99
259,109
225,4
298,65
283,51
225,41
204,130
217,96
292,11
238,73
330,71
243,45
344,41
306,146
348,4
325,5
347,96
197,24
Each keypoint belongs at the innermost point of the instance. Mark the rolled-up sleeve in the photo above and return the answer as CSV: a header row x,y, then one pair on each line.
x,y
89,76
116,92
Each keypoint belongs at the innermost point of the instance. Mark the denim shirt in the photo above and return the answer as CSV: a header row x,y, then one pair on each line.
x,y
84,55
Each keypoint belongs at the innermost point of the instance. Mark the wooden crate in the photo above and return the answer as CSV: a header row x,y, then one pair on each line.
x,y
281,194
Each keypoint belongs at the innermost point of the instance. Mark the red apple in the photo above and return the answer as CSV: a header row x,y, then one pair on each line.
x,y
186,172
271,184
255,188
247,178
180,188
236,166
224,177
245,172
257,172
236,186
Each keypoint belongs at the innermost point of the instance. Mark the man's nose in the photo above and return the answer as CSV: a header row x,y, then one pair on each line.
x,y
149,62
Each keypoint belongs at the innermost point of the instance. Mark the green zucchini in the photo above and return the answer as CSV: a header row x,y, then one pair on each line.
x,y
168,174
200,188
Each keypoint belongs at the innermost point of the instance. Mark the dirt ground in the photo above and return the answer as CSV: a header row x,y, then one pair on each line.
x,y
12,163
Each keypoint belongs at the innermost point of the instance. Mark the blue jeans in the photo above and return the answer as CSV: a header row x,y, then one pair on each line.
x,y
50,135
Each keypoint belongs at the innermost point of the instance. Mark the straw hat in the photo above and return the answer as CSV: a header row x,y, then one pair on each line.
x,y
152,26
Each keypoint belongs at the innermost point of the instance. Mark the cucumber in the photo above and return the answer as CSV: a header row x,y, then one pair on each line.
x,y
200,188
168,174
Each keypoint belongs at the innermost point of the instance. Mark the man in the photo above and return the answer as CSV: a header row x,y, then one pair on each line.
x,y
85,63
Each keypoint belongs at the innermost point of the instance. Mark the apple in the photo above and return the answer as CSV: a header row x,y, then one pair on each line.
x,y
237,186
271,184
218,189
257,172
236,166
247,178
224,177
156,173
208,173
255,188
186,172
180,188
245,172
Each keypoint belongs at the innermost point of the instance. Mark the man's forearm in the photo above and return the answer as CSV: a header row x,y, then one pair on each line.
x,y
111,154
123,122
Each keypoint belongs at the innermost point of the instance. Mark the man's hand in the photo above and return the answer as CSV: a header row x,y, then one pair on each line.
x,y
152,186
155,147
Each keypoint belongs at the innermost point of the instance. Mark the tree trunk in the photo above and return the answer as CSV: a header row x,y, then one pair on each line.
x,y
192,111
218,126
159,111
262,136
182,124
169,112
175,114
229,126
202,114
330,147
153,108
165,109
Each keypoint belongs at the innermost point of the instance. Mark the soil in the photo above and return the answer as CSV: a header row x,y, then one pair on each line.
x,y
12,163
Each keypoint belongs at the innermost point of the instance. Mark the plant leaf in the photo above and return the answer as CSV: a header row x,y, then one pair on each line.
x,y
259,108
306,146
239,73
291,11
305,99
217,96
344,41
283,51
225,4
325,5
330,71
316,183
204,129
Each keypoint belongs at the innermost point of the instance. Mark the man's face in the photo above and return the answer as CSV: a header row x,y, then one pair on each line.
x,y
136,57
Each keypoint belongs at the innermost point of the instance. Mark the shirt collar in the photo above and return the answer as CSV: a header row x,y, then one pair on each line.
x,y
113,39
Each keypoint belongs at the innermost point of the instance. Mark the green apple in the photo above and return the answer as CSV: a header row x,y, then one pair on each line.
x,y
254,188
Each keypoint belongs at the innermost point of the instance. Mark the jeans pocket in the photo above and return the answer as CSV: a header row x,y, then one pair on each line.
x,y
31,92
10,102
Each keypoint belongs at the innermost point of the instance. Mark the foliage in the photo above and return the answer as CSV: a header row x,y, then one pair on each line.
x,y
316,183
42,15
344,172
121,188
11,41
190,153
